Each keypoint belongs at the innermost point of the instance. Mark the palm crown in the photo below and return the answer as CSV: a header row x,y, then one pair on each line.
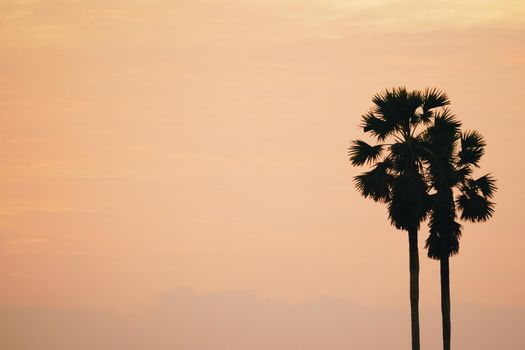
x,y
451,156
397,176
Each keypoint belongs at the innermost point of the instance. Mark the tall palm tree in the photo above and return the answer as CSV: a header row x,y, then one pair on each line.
x,y
397,176
450,160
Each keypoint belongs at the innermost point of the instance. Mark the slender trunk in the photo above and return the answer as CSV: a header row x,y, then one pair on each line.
x,y
414,287
445,302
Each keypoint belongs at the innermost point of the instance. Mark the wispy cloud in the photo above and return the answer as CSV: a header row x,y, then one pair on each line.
x,y
78,24
25,241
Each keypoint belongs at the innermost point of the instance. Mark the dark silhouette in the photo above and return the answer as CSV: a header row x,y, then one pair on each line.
x,y
450,159
397,174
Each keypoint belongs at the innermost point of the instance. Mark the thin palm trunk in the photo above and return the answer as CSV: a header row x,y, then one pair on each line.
x,y
445,302
414,287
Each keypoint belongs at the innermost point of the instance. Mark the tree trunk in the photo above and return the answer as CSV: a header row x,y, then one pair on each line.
x,y
445,302
414,287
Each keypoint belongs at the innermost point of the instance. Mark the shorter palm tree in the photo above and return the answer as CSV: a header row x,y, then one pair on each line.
x,y
451,158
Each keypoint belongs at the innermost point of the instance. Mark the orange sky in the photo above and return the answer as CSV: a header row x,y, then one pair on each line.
x,y
150,145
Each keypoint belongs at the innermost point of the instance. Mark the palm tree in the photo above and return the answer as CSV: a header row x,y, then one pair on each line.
x,y
397,176
450,160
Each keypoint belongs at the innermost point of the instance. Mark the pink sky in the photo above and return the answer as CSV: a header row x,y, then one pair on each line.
x,y
152,145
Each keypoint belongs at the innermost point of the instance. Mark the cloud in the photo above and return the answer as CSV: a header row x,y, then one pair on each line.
x,y
25,241
237,320
117,23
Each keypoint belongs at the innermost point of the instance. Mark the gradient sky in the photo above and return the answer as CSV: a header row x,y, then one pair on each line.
x,y
153,145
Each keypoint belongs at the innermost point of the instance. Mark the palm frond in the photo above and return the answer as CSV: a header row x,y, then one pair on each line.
x,y
413,103
474,207
434,98
376,183
445,243
397,106
462,174
472,148
402,155
362,153
446,122
445,231
487,185
426,116
378,127
442,135
431,98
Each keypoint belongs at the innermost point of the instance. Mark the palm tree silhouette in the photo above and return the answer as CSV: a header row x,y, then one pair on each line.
x,y
450,160
397,174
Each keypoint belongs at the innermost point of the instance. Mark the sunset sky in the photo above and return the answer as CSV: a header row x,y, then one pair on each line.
x,y
157,149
